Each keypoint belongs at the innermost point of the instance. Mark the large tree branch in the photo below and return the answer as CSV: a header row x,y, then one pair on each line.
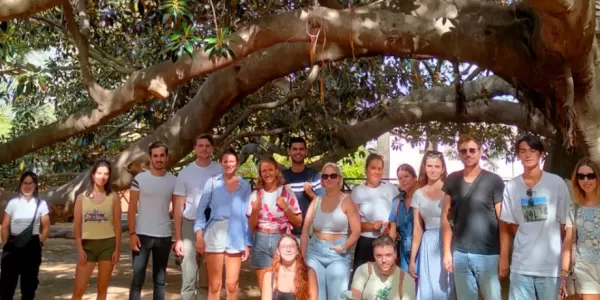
x,y
246,134
299,93
438,104
11,9
203,112
474,38
97,93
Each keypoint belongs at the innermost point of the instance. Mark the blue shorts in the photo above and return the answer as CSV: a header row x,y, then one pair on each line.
x,y
263,249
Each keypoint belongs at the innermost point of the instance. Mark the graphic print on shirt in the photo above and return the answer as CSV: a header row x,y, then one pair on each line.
x,y
383,294
95,216
535,209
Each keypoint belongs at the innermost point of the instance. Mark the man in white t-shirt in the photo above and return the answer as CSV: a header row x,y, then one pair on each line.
x,y
190,182
150,223
382,279
535,206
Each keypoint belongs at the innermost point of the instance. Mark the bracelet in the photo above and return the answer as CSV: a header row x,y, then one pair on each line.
x,y
132,233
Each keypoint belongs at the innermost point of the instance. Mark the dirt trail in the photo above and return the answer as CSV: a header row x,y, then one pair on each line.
x,y
57,274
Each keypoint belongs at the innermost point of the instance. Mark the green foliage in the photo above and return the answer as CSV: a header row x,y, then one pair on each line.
x,y
219,46
354,165
4,121
134,34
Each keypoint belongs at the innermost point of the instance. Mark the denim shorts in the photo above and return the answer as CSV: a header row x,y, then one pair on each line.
x,y
263,249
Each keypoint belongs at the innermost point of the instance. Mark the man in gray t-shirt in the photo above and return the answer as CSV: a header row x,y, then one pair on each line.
x,y
472,243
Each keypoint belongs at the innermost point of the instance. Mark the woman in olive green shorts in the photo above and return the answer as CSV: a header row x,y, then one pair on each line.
x,y
97,231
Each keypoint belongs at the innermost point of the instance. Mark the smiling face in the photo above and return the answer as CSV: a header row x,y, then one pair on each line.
x,y
203,148
229,163
470,153
587,179
101,176
288,249
159,158
28,186
434,168
268,172
297,152
385,257
406,180
330,178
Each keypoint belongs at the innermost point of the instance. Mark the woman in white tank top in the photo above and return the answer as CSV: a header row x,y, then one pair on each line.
x,y
330,218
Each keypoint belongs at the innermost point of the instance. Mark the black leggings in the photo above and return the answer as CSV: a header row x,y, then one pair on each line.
x,y
24,262
363,252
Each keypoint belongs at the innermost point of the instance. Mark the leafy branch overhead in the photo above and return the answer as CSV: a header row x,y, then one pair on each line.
x,y
107,78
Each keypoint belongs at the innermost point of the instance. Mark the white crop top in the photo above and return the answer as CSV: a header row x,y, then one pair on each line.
x,y
335,222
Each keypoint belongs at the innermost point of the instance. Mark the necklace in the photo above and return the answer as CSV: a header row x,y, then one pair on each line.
x,y
337,196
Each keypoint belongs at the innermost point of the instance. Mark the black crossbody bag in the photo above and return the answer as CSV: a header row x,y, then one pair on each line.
x,y
24,237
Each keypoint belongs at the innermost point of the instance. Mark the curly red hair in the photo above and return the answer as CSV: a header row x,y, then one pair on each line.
x,y
302,291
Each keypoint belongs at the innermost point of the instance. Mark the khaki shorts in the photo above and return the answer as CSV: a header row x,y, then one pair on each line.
x,y
588,277
99,250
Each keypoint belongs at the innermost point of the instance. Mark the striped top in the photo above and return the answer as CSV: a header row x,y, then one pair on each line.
x,y
296,182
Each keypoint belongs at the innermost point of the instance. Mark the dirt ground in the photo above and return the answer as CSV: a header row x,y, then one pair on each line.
x,y
57,273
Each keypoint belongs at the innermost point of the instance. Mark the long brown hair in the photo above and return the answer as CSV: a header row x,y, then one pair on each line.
x,y
300,278
422,181
578,193
407,194
279,180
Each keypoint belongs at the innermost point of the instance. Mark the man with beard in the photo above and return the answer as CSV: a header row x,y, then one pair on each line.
x,y
189,186
472,245
150,230
304,181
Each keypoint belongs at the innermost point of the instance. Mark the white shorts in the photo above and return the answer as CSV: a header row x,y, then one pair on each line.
x,y
215,238
588,277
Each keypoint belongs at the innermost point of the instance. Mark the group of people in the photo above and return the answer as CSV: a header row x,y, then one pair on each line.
x,y
440,236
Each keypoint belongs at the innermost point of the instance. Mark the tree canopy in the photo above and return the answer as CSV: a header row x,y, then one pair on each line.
x,y
89,79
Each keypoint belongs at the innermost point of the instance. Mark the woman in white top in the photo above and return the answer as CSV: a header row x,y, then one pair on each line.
x,y
433,283
23,239
330,216
374,201
585,213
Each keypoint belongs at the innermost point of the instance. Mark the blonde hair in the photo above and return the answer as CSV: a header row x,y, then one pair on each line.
x,y
338,171
279,180
577,192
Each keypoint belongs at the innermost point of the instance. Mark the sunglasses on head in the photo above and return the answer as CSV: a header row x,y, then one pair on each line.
x,y
590,176
332,176
470,150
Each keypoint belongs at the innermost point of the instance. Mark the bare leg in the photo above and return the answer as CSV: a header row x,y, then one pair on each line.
x,y
233,264
105,269
82,278
259,275
214,267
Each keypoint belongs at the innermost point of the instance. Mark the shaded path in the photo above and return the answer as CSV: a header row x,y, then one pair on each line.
x,y
57,274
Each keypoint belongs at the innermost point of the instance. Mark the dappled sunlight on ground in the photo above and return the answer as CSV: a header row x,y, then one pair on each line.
x,y
57,275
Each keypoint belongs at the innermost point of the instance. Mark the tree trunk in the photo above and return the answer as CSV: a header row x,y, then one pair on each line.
x,y
560,160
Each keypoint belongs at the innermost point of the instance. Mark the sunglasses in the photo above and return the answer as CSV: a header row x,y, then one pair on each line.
x,y
332,176
470,150
590,176
529,193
